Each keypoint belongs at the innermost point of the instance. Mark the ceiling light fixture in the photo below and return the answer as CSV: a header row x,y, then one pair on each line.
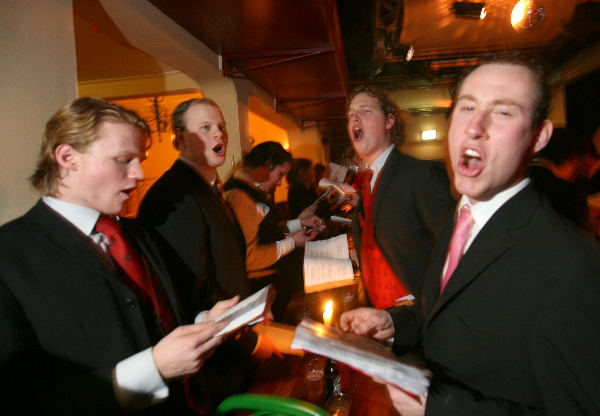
x,y
527,15
472,10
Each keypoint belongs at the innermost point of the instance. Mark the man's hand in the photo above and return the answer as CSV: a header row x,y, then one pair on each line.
x,y
307,212
375,323
301,237
183,351
313,222
406,405
220,307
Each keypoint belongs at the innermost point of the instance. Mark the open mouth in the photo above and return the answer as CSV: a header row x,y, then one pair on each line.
x,y
219,148
471,159
357,133
127,192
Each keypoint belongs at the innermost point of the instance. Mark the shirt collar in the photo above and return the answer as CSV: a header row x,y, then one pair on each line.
x,y
483,211
380,161
191,165
83,218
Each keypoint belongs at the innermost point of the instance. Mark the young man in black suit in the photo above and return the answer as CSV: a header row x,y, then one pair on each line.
x,y
80,335
513,328
401,209
197,228
185,207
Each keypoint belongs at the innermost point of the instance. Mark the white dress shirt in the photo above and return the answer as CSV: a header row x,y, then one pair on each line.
x,y
136,379
484,210
378,164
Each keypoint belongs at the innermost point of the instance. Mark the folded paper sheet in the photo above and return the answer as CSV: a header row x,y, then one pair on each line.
x,y
361,353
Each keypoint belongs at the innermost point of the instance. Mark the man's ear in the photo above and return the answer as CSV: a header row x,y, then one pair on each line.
x,y
541,135
179,139
389,123
67,157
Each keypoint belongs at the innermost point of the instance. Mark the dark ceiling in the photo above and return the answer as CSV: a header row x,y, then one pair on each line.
x,y
308,54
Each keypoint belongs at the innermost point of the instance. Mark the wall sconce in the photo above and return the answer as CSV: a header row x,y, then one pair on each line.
x,y
427,135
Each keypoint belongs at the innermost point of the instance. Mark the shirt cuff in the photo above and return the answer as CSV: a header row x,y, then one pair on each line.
x,y
138,383
294,225
285,246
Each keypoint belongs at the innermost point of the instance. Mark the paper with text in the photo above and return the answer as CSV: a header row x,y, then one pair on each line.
x,y
327,264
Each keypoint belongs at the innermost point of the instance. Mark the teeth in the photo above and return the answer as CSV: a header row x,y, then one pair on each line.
x,y
472,153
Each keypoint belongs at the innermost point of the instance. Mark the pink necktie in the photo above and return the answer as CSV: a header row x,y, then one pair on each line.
x,y
462,229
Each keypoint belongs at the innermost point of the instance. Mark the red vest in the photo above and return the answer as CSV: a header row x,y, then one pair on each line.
x,y
381,283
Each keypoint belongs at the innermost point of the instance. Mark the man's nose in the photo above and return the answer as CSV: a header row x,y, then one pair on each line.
x,y
135,170
476,127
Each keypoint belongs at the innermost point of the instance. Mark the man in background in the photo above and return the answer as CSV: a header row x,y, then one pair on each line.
x,y
89,318
272,245
186,208
402,205
511,313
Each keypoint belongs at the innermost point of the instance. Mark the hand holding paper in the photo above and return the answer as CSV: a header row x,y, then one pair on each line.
x,y
251,310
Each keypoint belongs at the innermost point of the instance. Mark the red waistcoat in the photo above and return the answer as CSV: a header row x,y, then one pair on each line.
x,y
381,283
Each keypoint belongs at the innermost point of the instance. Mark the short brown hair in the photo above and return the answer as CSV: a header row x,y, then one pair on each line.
x,y
76,124
387,105
538,71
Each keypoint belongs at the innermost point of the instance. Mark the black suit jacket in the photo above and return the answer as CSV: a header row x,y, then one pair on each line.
x,y
196,229
411,202
66,317
516,329
208,248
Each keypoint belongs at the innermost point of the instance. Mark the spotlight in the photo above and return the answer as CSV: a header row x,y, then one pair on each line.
x,y
472,10
527,15
405,52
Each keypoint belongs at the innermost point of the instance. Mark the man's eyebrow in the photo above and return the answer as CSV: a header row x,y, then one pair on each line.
x,y
499,101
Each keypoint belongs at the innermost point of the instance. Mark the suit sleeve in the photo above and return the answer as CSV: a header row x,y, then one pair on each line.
x,y
407,327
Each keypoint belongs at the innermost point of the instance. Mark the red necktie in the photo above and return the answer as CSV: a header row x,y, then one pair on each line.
x,y
365,185
148,288
460,235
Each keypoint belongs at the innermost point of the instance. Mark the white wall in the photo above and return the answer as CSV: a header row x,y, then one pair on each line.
x,y
39,75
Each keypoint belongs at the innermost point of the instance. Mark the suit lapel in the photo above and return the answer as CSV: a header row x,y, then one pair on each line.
x,y
63,236
492,241
385,177
144,244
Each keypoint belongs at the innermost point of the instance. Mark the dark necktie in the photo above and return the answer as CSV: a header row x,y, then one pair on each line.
x,y
460,235
148,288
365,185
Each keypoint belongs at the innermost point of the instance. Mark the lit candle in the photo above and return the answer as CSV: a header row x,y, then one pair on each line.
x,y
328,312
